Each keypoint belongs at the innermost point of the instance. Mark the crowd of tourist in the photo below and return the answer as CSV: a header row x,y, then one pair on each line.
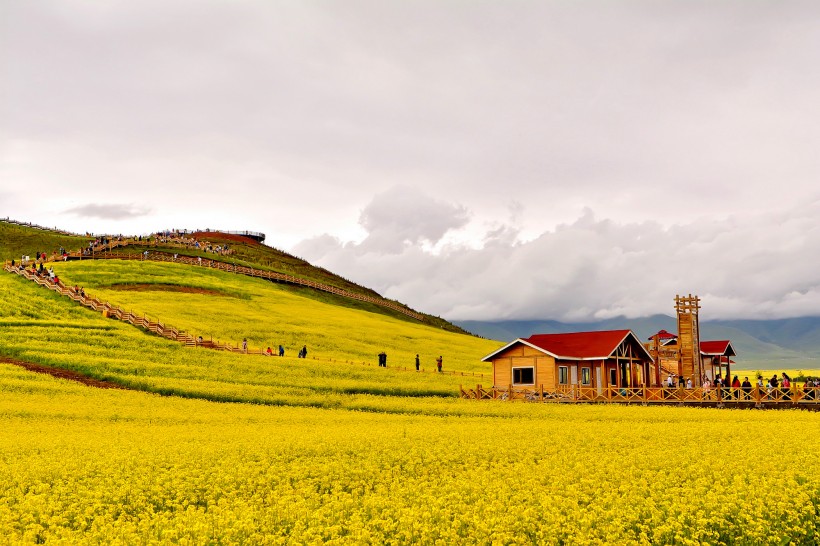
x,y
774,387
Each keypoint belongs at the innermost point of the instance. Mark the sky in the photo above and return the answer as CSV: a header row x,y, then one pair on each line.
x,y
481,160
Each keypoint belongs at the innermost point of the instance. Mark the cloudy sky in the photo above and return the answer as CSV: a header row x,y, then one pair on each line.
x,y
476,160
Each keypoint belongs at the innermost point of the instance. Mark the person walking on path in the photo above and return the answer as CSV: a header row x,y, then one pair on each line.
x,y
245,345
417,363
439,363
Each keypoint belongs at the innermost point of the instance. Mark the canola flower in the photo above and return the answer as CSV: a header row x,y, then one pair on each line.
x,y
80,465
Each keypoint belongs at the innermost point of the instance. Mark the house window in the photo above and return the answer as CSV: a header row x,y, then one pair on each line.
x,y
523,376
586,376
563,375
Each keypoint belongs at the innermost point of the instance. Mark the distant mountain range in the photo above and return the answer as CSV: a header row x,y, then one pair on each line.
x,y
760,344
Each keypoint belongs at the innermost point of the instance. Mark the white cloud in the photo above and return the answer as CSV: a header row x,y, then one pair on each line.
x,y
403,216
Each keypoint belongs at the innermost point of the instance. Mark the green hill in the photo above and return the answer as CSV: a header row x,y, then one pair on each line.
x,y
17,240
23,240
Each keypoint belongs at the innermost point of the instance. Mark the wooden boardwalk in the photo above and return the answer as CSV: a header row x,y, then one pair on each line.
x,y
756,397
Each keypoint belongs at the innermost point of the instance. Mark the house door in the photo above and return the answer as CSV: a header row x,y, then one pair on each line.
x,y
573,374
613,377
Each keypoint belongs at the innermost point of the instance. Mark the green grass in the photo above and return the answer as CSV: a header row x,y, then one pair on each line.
x,y
16,241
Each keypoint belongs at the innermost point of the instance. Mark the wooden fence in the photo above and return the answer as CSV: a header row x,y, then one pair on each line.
x,y
758,397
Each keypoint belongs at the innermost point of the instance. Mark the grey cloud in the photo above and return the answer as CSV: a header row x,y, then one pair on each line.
x,y
593,269
109,211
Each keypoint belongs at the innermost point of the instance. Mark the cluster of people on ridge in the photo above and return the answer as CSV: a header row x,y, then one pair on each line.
x,y
190,242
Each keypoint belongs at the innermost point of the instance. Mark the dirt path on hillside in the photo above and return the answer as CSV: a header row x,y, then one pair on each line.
x,y
62,374
166,288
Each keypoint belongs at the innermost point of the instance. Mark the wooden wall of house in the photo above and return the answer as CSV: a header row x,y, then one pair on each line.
x,y
521,356
546,372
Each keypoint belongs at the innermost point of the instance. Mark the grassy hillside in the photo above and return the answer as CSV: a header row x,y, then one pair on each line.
x,y
252,254
42,327
269,314
16,241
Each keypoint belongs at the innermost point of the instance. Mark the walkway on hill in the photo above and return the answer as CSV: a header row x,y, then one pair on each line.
x,y
258,273
167,331
103,252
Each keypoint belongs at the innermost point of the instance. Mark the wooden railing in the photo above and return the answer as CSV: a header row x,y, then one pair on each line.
x,y
795,396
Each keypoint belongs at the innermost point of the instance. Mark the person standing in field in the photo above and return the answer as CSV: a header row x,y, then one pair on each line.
x,y
281,351
439,364
245,345
418,364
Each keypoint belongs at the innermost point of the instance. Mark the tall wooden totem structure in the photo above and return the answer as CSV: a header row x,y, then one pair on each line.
x,y
689,361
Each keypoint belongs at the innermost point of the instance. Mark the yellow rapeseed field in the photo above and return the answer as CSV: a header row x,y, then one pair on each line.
x,y
89,466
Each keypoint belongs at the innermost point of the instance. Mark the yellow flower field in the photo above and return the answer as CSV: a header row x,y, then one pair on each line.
x,y
89,466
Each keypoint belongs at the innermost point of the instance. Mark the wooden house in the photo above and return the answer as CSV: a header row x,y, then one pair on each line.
x,y
614,358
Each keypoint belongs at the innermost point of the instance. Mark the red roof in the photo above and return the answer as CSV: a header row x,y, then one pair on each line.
x,y
722,347
577,345
580,345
